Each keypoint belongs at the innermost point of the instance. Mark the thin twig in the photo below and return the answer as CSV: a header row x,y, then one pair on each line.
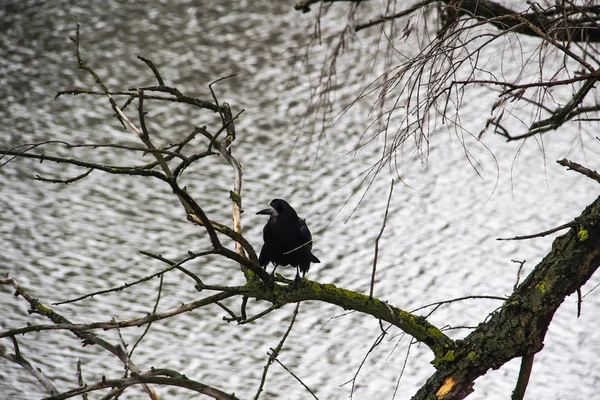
x,y
80,379
82,330
259,315
387,207
275,352
159,376
521,264
297,378
144,279
151,65
579,302
386,18
439,303
88,337
412,340
376,343
540,234
65,181
160,286
27,366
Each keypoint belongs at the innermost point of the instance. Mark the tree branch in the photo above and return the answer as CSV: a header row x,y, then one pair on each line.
x,y
156,376
580,168
524,374
519,327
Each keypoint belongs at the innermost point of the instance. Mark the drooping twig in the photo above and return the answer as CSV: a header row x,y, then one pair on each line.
x,y
376,343
387,207
403,368
159,376
579,302
298,379
275,352
160,286
65,181
521,263
27,366
437,304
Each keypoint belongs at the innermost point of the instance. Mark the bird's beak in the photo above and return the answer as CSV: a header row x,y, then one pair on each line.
x,y
268,211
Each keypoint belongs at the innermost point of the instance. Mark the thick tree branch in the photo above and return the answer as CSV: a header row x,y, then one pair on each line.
x,y
518,329
279,295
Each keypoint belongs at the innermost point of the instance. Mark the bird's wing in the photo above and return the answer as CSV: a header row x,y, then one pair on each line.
x,y
265,254
307,237
304,232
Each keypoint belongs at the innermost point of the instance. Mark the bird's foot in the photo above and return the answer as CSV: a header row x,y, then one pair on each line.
x,y
271,281
297,281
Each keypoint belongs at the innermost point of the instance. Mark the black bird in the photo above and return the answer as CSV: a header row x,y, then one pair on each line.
x,y
287,240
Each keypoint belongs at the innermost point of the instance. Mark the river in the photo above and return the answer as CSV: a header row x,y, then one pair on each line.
x,y
62,241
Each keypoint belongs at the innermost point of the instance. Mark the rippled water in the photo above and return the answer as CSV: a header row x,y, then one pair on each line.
x,y
64,241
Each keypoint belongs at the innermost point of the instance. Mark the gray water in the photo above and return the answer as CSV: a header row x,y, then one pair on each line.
x,y
64,241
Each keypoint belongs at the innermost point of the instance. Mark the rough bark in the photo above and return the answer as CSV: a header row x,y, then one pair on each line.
x,y
519,327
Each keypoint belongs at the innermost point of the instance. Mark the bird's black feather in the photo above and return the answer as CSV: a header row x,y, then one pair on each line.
x,y
288,240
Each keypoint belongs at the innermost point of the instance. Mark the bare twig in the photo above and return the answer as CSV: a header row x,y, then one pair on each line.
x,y
151,65
275,353
259,315
412,341
27,366
80,380
155,376
146,278
437,304
111,169
540,234
298,379
386,18
387,207
65,181
579,302
580,168
521,264
81,330
160,286
376,343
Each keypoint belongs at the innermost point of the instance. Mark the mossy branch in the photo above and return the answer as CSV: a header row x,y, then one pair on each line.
x,y
519,327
